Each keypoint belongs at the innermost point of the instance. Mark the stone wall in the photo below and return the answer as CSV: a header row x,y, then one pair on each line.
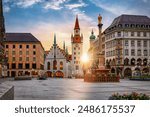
x,y
6,91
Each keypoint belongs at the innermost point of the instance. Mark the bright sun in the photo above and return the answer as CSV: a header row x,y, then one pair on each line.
x,y
85,58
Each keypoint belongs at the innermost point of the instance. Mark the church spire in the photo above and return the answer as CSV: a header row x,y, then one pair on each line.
x,y
64,46
66,50
77,23
54,39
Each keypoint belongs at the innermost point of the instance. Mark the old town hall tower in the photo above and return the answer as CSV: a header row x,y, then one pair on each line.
x,y
77,47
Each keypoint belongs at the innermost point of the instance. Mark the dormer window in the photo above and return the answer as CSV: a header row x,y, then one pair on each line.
x,y
138,26
120,25
126,25
142,26
132,25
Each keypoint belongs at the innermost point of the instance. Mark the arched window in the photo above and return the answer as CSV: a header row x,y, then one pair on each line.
x,y
139,61
48,66
126,61
61,65
55,65
132,61
145,62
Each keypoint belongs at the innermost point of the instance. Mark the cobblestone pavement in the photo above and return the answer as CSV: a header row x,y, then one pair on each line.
x,y
62,89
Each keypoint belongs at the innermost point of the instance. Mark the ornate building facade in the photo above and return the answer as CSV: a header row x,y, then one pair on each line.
x,y
25,55
3,60
127,50
77,48
57,61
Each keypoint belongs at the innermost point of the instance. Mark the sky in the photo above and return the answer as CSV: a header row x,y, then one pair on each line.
x,y
44,18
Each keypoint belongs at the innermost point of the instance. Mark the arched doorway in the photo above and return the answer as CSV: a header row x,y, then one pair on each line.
x,y
59,74
145,71
127,72
13,73
49,73
126,61
137,71
113,70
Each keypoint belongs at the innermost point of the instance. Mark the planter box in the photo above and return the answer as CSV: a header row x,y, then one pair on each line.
x,y
23,78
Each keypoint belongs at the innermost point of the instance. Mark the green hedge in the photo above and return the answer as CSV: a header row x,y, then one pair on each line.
x,y
132,96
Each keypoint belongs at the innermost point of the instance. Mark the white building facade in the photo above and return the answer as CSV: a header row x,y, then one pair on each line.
x,y
127,45
57,63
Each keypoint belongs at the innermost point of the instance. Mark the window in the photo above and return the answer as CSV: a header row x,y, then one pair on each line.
x,y
74,53
126,43
20,58
132,43
13,66
27,58
145,43
139,52
61,65
34,46
77,67
27,46
20,46
79,53
6,52
13,52
6,46
55,65
144,34
7,66
132,34
145,52
48,66
34,59
139,43
27,52
13,59
14,46
34,66
138,34
20,66
74,58
27,66
119,34
20,52
74,48
132,52
126,52
34,53
125,33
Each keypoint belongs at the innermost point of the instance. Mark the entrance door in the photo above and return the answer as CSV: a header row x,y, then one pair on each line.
x,y
13,73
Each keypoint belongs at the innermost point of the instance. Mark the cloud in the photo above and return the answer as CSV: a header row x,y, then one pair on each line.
x,y
114,8
6,9
54,4
76,5
26,3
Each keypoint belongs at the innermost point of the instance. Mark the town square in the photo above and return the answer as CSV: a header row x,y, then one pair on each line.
x,y
55,50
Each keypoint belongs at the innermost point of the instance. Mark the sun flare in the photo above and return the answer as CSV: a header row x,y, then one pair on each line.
x,y
85,58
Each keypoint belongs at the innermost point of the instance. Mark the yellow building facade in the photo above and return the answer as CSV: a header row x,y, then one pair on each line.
x,y
25,55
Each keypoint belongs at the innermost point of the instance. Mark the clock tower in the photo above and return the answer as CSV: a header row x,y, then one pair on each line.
x,y
77,47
